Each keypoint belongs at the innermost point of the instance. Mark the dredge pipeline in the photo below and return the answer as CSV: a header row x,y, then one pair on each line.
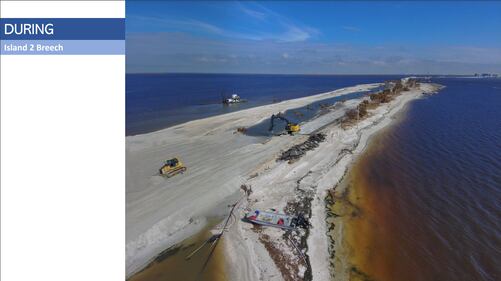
x,y
215,239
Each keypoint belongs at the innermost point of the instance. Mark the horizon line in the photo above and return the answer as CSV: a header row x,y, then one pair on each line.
x,y
310,74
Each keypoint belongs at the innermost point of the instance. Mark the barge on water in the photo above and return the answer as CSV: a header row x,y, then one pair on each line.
x,y
233,99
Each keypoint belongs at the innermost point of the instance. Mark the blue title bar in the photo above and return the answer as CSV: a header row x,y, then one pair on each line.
x,y
62,29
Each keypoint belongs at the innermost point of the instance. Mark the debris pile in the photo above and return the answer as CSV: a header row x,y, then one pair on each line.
x,y
381,97
246,189
297,151
241,130
362,108
392,89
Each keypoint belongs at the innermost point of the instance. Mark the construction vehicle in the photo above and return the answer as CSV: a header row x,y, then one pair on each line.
x,y
290,127
172,167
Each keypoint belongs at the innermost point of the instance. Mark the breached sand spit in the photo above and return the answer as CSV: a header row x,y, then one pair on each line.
x,y
307,180
162,212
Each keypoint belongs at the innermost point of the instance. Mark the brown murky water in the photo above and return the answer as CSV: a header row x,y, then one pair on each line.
x,y
423,202
172,265
369,225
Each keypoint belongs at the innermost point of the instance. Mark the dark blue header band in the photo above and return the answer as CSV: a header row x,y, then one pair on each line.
x,y
63,29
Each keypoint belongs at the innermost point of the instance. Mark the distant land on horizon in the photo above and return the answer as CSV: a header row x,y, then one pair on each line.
x,y
491,75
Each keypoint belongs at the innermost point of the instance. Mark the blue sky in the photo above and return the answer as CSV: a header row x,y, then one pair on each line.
x,y
325,37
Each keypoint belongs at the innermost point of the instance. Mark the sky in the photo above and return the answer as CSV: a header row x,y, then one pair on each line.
x,y
324,37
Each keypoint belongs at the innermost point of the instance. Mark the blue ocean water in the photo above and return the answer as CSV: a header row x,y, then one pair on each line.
x,y
158,101
436,188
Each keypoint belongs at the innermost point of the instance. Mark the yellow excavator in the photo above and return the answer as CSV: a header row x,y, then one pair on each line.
x,y
172,167
290,127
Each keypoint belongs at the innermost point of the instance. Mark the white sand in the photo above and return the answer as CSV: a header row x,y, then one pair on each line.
x,y
161,212
318,171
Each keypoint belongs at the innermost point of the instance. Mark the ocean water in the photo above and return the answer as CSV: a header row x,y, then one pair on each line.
x,y
302,114
426,196
158,101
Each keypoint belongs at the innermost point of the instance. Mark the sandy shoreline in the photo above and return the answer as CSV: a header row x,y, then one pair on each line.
x,y
339,254
315,174
162,212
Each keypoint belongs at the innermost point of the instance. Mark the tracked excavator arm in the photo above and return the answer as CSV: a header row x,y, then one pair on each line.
x,y
289,127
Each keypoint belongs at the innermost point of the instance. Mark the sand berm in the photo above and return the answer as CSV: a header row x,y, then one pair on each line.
x,y
161,212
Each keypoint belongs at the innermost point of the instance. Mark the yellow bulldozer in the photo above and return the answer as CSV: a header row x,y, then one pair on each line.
x,y
172,167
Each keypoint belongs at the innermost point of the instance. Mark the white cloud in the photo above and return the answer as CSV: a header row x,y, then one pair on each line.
x,y
253,13
292,31
287,30
182,52
295,33
194,25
